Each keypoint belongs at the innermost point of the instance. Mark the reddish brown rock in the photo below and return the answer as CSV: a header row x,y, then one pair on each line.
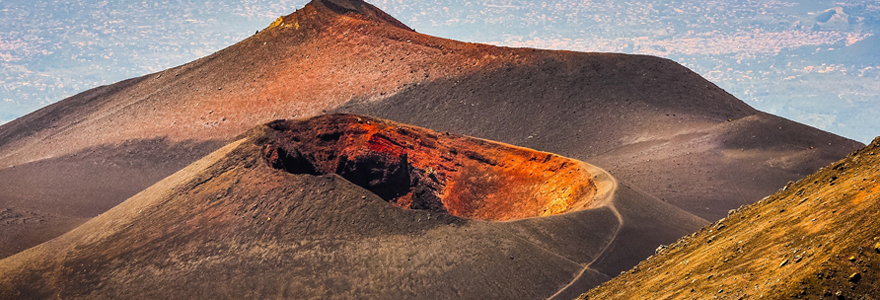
x,y
421,169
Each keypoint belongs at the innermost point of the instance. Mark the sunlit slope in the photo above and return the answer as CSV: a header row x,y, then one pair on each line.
x,y
816,238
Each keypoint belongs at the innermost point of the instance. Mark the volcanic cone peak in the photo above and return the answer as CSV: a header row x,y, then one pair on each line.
x,y
320,10
417,168
344,6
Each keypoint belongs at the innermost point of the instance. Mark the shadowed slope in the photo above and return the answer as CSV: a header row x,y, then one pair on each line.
x,y
234,226
814,239
650,122
49,197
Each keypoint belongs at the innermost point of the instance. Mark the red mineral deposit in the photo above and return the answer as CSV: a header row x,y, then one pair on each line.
x,y
416,168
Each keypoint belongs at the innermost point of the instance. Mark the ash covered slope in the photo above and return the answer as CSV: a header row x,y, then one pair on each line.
x,y
262,218
815,239
651,122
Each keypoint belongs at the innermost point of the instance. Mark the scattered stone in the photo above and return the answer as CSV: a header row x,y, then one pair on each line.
x,y
660,249
784,262
855,277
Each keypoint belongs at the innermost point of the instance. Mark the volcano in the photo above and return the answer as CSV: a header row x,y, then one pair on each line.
x,y
814,239
671,138
346,206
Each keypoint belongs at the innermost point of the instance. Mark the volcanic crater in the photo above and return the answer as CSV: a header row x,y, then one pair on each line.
x,y
416,168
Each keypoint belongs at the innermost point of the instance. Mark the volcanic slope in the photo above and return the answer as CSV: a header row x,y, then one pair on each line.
x,y
425,215
653,123
817,238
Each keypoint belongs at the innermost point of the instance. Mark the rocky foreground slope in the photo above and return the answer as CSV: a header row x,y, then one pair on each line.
x,y
817,238
345,206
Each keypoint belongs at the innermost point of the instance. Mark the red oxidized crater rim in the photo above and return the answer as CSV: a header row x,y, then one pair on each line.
x,y
417,168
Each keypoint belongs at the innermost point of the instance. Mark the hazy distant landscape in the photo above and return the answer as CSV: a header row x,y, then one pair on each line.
x,y
815,62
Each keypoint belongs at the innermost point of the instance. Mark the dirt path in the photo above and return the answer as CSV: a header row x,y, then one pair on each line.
x,y
606,187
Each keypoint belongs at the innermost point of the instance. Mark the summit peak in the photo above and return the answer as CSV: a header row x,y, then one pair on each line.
x,y
357,8
342,6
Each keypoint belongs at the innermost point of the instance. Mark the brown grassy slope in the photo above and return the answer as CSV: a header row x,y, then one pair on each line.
x,y
652,122
817,238
230,226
